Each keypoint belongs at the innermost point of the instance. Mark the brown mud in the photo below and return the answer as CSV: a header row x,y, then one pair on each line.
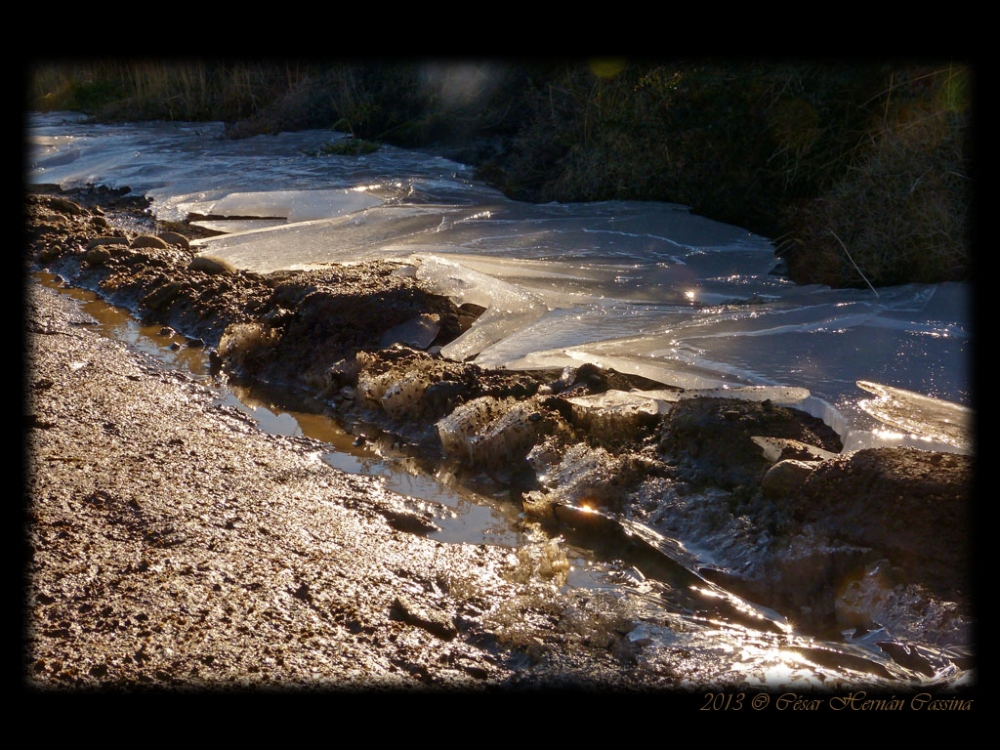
x,y
876,539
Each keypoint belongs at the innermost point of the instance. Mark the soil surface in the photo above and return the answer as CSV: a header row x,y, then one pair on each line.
x,y
173,544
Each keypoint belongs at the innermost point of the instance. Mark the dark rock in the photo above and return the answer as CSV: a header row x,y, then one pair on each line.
x,y
410,523
429,618
302,592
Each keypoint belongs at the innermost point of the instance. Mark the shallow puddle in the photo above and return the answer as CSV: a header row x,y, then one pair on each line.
x,y
465,516
469,517
161,342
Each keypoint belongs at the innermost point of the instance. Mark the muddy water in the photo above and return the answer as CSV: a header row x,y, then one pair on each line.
x,y
158,341
464,517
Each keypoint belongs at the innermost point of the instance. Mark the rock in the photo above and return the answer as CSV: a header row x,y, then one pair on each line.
x,y
786,477
778,449
97,256
714,438
50,252
468,313
176,238
211,265
425,616
66,206
161,295
911,505
98,241
148,240
418,332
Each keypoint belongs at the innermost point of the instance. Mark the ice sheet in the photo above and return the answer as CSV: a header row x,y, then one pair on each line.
x,y
645,288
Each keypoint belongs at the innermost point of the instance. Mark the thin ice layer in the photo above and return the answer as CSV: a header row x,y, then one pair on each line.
x,y
921,415
292,205
508,308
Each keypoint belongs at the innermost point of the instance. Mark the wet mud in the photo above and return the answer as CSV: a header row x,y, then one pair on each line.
x,y
876,539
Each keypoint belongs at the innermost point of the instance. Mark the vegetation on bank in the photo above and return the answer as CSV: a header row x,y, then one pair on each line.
x,y
860,171
345,147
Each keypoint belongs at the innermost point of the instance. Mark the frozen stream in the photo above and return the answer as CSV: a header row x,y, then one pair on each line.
x,y
643,287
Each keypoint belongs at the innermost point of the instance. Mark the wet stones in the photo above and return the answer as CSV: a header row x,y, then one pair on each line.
x,y
148,240
786,477
210,265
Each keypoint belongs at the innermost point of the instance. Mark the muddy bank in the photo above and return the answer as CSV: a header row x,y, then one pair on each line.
x,y
874,540
174,545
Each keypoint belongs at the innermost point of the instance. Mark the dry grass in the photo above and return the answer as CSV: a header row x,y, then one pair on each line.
x,y
162,89
899,213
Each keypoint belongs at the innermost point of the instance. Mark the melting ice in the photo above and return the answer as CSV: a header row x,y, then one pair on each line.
x,y
642,287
